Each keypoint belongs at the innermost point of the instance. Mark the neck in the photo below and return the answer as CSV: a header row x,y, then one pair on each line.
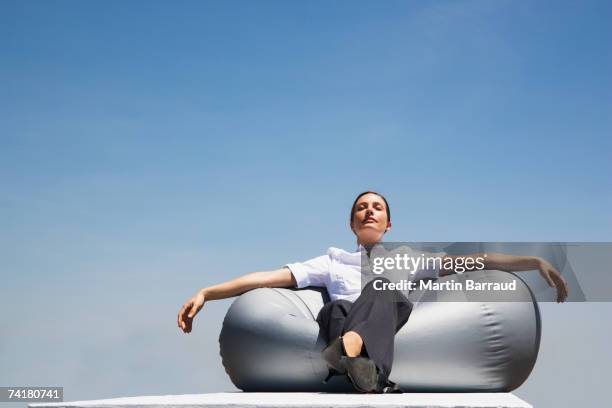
x,y
367,246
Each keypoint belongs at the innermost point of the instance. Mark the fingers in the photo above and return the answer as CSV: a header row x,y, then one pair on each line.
x,y
562,286
555,280
179,318
561,295
561,292
548,279
565,289
183,319
195,308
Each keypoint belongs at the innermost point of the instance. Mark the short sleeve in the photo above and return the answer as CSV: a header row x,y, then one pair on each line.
x,y
313,272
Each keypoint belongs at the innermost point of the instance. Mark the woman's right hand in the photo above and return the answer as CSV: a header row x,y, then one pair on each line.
x,y
189,310
281,278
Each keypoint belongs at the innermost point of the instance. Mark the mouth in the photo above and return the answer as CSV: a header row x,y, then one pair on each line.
x,y
369,220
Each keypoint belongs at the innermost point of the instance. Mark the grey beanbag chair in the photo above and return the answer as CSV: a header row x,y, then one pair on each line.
x,y
270,340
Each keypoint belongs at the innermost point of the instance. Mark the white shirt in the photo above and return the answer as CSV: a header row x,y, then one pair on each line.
x,y
340,272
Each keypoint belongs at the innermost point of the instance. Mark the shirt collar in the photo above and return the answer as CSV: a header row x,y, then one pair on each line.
x,y
360,248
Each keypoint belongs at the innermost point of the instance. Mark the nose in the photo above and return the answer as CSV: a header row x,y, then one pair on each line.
x,y
369,212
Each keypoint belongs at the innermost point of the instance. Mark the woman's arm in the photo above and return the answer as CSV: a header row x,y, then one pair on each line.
x,y
281,278
514,263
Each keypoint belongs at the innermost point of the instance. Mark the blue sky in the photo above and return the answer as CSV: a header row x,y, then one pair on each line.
x,y
151,148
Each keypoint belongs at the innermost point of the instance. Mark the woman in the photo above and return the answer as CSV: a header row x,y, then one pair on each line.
x,y
359,324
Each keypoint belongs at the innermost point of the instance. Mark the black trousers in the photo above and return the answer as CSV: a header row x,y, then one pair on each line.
x,y
376,316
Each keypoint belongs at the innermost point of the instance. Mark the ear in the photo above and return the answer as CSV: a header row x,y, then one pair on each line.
x,y
388,227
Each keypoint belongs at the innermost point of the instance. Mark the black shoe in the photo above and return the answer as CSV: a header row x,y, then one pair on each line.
x,y
391,388
362,372
333,356
330,374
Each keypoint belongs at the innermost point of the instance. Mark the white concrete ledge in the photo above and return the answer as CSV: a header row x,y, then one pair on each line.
x,y
303,400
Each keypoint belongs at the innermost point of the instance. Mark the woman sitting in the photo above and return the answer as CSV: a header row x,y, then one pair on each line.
x,y
360,323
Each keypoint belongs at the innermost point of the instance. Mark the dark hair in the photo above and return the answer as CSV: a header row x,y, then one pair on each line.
x,y
369,192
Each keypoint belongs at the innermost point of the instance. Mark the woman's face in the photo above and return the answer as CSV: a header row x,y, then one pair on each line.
x,y
370,220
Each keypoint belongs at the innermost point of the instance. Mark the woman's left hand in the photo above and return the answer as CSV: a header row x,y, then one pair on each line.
x,y
554,279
